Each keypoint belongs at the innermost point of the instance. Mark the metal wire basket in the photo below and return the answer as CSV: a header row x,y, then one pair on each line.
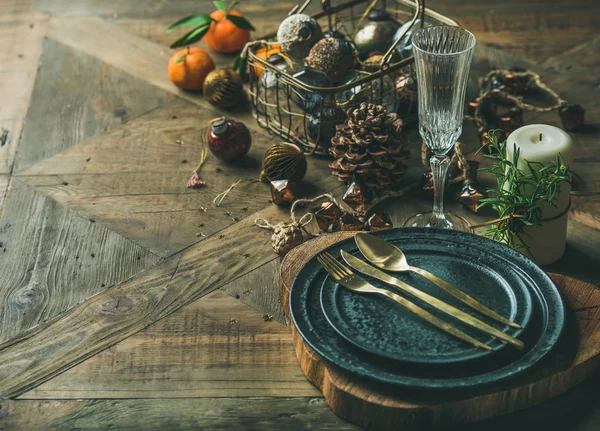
x,y
303,113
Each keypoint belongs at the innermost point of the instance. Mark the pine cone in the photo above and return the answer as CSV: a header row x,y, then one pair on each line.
x,y
371,147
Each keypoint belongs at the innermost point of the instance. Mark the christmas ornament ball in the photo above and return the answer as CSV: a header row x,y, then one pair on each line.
x,y
228,139
223,88
334,56
321,126
297,34
283,161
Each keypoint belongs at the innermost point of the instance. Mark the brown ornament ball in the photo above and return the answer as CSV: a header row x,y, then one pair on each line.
x,y
224,88
334,56
283,161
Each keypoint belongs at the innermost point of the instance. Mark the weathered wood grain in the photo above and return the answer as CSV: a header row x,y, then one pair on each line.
x,y
82,95
18,63
138,56
260,290
125,309
364,403
263,414
51,259
21,34
133,180
198,351
3,189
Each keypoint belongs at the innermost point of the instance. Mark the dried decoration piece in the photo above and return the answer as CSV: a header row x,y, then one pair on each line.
x,y
347,222
378,221
327,214
356,197
472,191
572,117
283,192
512,120
471,195
287,235
283,161
224,88
506,88
195,181
370,147
428,181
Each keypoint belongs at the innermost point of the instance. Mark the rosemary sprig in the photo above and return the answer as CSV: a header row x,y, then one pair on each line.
x,y
520,193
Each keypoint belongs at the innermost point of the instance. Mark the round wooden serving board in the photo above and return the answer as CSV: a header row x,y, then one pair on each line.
x,y
369,405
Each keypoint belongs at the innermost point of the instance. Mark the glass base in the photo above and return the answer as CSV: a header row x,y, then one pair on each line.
x,y
450,221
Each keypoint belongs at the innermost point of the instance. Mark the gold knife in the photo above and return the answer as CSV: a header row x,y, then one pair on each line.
x,y
467,319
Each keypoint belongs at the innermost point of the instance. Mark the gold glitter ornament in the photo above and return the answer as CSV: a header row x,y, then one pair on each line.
x,y
223,88
283,161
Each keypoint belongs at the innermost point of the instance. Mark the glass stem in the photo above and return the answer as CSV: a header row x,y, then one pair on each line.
x,y
439,168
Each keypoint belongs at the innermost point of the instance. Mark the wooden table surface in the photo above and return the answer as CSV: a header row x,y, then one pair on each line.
x,y
129,301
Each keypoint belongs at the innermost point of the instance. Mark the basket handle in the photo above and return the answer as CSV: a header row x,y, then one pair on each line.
x,y
419,6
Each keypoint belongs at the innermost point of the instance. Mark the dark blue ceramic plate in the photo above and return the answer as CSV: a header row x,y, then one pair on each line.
x,y
540,335
382,327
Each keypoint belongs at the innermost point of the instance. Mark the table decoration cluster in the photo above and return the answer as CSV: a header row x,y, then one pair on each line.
x,y
471,312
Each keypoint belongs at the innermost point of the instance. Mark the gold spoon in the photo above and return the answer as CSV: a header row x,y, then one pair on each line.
x,y
387,256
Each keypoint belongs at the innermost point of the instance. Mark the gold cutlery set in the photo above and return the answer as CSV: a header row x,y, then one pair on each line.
x,y
381,254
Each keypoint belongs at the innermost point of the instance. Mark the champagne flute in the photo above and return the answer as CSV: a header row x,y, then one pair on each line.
x,y
442,60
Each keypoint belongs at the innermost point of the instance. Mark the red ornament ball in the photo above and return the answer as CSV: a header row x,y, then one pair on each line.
x,y
228,139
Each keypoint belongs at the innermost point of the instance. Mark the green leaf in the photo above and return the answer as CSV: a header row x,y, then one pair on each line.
x,y
191,21
220,5
191,37
239,65
240,22
180,59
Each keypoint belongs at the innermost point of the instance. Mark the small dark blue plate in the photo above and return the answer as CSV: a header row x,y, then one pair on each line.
x,y
383,327
540,335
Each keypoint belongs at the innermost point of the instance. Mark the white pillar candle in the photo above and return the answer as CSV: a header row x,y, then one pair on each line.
x,y
542,143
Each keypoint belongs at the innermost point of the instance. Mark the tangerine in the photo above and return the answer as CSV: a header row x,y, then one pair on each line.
x,y
190,73
224,36
264,53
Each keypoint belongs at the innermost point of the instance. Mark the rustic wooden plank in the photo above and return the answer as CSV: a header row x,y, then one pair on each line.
x,y
22,45
576,410
4,180
182,414
150,9
125,309
140,57
82,95
18,64
133,180
51,259
198,351
260,290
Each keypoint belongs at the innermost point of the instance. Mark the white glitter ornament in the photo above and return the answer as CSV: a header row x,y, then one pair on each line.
x,y
297,34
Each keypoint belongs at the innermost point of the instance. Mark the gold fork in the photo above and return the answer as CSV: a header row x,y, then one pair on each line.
x,y
351,281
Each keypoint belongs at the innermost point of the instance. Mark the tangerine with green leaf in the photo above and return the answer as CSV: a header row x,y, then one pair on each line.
x,y
229,32
188,68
